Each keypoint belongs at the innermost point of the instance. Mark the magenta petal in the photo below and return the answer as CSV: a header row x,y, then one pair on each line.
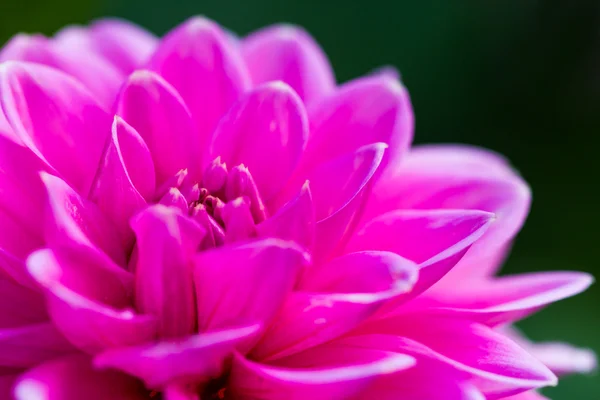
x,y
498,366
289,54
338,206
266,131
113,190
192,359
125,45
452,177
527,396
426,381
44,107
245,283
21,190
20,305
362,272
502,300
77,56
136,158
166,243
365,111
89,300
206,69
74,378
154,108
561,358
321,379
27,346
309,319
72,220
436,239
294,221
180,392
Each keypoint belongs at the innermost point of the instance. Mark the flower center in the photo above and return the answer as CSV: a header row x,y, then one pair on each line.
x,y
226,203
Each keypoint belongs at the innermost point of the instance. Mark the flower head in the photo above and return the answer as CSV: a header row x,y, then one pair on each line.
x,y
204,216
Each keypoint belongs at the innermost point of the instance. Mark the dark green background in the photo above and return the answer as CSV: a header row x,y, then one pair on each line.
x,y
518,76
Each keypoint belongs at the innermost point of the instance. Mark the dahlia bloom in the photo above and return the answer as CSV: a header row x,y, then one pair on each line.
x,y
208,217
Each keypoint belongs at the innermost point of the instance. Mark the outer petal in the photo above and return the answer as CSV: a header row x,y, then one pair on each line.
x,y
340,189
166,242
459,178
561,358
436,239
307,320
76,53
502,300
113,190
245,283
45,107
194,359
89,300
72,220
361,272
266,131
204,66
289,54
294,221
71,51
73,378
125,45
27,346
157,112
527,396
365,111
329,376
499,367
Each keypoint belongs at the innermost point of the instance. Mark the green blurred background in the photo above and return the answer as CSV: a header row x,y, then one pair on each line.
x,y
521,77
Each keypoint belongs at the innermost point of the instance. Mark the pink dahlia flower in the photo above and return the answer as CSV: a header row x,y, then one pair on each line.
x,y
207,217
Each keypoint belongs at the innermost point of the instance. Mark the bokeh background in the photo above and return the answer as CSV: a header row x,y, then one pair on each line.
x,y
521,77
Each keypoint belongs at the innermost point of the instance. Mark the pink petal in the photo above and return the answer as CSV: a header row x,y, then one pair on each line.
x,y
294,221
45,107
6,385
365,111
246,283
289,54
237,217
436,239
20,305
266,131
309,319
362,272
340,189
527,396
14,267
74,378
561,358
125,45
498,366
71,51
159,114
166,243
75,50
502,300
136,158
459,178
174,198
16,241
417,383
27,346
21,190
89,300
321,379
193,359
206,69
72,220
113,190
